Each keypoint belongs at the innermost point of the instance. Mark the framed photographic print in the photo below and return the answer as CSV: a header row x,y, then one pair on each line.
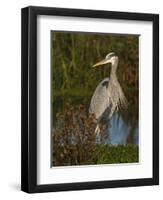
x,y
90,99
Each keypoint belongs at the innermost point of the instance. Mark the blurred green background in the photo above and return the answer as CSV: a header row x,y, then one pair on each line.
x,y
73,79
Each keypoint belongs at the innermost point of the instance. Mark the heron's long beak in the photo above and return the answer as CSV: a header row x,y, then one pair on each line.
x,y
102,62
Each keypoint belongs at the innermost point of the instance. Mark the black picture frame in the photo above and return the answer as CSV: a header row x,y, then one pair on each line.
x,y
29,99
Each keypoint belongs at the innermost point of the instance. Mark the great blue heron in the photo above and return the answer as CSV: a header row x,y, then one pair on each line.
x,y
108,96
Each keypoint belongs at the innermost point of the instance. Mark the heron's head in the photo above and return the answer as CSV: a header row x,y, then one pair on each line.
x,y
110,58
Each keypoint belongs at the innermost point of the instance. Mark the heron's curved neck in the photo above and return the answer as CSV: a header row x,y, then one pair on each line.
x,y
114,68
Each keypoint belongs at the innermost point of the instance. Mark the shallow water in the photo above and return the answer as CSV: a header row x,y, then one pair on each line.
x,y
122,133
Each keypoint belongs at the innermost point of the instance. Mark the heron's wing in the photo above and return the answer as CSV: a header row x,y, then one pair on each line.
x,y
100,100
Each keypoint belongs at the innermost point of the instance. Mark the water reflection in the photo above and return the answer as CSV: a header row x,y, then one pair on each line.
x,y
121,133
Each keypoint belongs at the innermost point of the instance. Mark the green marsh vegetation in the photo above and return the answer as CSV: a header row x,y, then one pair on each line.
x,y
73,83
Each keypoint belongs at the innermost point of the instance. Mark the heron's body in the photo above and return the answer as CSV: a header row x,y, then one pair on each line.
x,y
98,105
108,96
